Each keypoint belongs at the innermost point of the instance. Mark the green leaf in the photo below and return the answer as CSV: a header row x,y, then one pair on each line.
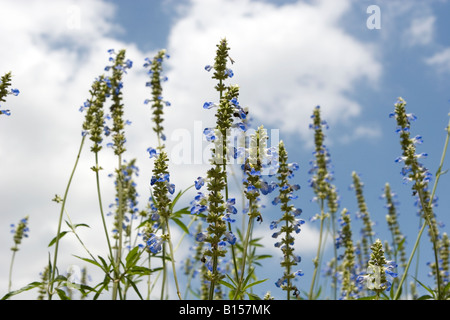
x,y
177,197
232,280
90,261
263,256
134,287
82,225
142,271
104,286
105,265
425,297
61,234
73,227
181,212
132,257
426,288
226,284
255,283
62,295
253,296
29,286
244,284
181,225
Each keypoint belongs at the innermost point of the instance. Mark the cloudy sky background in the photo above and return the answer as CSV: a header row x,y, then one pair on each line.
x,y
289,57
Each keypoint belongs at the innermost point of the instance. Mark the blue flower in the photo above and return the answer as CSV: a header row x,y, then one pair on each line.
x,y
154,243
273,225
199,183
209,134
148,62
5,112
128,64
276,201
230,206
209,105
229,73
298,223
208,67
251,189
15,92
253,172
231,238
200,237
152,152
171,188
85,105
276,234
199,204
299,273
163,177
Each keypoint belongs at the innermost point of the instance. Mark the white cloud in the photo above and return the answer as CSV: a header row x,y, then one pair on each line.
x,y
421,30
366,133
440,60
289,59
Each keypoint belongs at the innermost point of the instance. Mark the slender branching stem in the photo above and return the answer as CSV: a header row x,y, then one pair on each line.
x,y
63,205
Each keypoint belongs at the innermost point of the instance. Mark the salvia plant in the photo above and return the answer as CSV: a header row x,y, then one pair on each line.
x,y
5,84
220,210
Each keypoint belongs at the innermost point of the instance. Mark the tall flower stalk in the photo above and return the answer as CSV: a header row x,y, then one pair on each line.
x,y
253,166
217,178
349,290
322,187
95,128
289,224
415,172
363,213
119,67
160,182
20,231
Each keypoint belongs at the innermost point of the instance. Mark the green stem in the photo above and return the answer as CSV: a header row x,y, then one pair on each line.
x,y
214,271
172,255
397,294
288,271
319,248
55,256
233,254
244,253
101,207
120,219
333,224
10,270
434,240
164,270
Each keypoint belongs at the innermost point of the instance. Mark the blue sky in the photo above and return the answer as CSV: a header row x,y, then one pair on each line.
x,y
290,56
